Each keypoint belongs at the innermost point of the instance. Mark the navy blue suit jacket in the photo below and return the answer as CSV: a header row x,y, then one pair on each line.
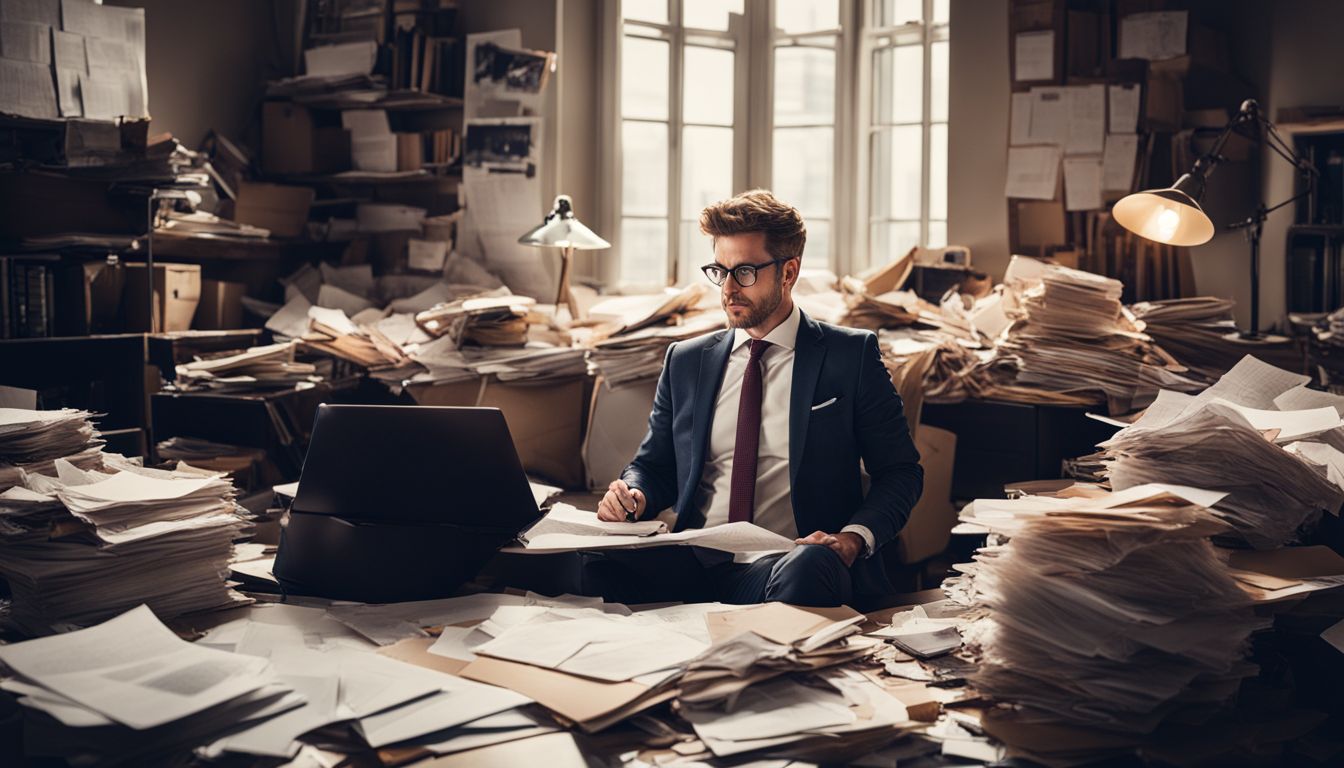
x,y
866,423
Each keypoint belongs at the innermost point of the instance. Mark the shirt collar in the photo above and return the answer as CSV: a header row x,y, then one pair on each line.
x,y
784,335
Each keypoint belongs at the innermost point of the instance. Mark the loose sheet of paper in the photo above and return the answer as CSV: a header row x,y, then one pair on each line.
x,y
1034,56
1033,172
1082,183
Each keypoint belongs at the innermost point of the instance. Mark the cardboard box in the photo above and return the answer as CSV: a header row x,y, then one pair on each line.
x,y
410,151
930,526
294,142
221,306
546,419
281,209
88,298
177,291
617,422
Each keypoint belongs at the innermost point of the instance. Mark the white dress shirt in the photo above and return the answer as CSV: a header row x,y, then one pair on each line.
x,y
774,505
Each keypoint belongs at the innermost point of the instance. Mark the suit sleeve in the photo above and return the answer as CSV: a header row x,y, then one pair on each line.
x,y
888,452
654,468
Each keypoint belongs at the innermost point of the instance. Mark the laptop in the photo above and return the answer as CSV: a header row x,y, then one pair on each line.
x,y
402,502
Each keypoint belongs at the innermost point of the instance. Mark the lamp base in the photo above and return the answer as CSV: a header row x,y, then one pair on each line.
x,y
1256,339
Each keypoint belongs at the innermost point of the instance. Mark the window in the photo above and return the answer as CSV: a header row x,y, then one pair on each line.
x,y
906,47
712,97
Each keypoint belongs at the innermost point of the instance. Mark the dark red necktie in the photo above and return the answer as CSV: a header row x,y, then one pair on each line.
x,y
742,491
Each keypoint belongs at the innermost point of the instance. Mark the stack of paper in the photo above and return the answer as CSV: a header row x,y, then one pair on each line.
x,y
485,320
633,355
444,361
86,545
268,367
130,691
1193,330
30,440
624,314
1257,434
333,332
1112,612
1077,339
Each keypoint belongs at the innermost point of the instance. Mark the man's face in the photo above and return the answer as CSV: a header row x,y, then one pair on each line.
x,y
751,306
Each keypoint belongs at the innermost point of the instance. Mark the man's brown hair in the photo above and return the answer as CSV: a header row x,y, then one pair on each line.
x,y
758,210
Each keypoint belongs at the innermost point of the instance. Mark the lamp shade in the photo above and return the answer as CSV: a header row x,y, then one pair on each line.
x,y
1170,215
560,229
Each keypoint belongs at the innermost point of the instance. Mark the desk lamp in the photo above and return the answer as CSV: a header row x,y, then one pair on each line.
x,y
560,229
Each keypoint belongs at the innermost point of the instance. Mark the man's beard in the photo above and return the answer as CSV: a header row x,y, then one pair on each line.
x,y
757,313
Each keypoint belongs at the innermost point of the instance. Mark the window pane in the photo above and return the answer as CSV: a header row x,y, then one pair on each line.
x,y
707,88
817,251
937,234
645,10
941,11
643,251
898,84
644,78
708,14
894,13
644,150
938,171
804,86
697,250
897,154
938,82
706,167
802,169
891,240
806,15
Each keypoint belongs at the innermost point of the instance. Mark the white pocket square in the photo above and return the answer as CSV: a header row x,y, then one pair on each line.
x,y
819,406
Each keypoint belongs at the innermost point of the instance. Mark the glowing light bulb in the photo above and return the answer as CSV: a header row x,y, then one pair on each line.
x,y
1164,224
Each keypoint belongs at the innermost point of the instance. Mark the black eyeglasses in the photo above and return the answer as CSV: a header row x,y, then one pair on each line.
x,y
744,274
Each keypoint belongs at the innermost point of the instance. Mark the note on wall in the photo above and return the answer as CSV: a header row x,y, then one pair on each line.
x,y
1082,183
1034,56
1033,172
1117,163
1019,124
1153,36
1049,115
1124,107
1087,120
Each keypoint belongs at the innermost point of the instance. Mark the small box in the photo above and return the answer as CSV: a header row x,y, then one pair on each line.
x,y
177,291
293,142
88,298
221,306
410,151
281,209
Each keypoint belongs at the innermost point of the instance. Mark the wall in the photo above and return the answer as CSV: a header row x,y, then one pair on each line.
x,y
977,162
207,62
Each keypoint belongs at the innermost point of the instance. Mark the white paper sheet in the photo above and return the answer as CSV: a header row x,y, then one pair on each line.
x,y
1082,183
1019,126
1117,163
1124,107
1033,173
1034,56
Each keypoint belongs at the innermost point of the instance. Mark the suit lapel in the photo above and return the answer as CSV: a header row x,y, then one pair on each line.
x,y
808,354
713,359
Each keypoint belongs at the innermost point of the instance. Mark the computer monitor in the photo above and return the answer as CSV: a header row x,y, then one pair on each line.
x,y
402,502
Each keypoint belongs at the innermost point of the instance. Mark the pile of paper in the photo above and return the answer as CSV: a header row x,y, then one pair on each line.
x,y
1258,434
1112,612
268,367
623,314
30,440
131,691
444,361
639,354
86,545
501,321
1193,330
1077,339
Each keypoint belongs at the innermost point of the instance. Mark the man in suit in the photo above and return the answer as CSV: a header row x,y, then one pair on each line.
x,y
768,422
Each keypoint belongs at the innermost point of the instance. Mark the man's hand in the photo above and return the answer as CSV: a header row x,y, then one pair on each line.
x,y
621,503
847,544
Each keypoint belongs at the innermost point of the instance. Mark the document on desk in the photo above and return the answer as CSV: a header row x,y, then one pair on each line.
x,y
135,671
739,537
774,709
566,519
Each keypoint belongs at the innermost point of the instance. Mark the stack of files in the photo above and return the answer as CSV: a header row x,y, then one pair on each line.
x,y
207,225
130,692
1112,612
1270,576
567,529
1258,435
635,355
625,314
893,309
268,367
1077,339
444,361
760,643
86,545
491,321
1193,330
30,440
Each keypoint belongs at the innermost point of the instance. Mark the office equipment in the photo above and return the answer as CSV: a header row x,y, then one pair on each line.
x,y
561,229
449,492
